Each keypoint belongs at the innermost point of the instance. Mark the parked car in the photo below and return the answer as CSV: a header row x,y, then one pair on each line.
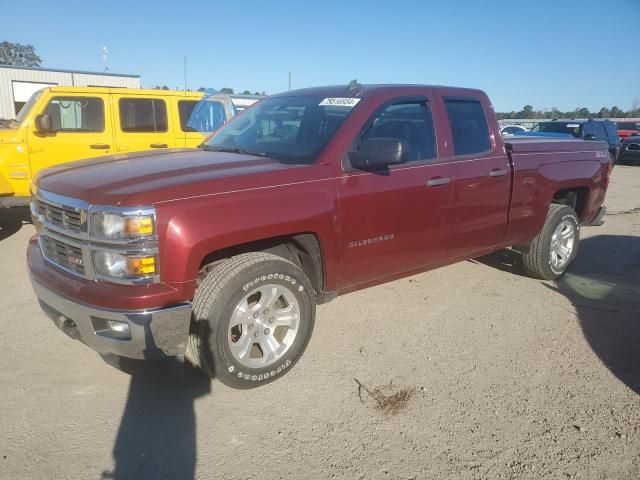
x,y
592,129
511,129
61,124
628,129
630,151
308,195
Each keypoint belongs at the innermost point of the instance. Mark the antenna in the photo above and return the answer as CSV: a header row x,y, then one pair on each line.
x,y
289,81
185,73
105,57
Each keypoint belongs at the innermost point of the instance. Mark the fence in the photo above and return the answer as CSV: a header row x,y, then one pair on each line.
x,y
530,122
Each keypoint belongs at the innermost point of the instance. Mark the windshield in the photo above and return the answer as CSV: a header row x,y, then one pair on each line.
x,y
289,129
26,108
628,125
558,127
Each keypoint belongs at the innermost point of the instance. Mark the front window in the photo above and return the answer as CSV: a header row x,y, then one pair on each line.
x,y
76,114
289,129
26,108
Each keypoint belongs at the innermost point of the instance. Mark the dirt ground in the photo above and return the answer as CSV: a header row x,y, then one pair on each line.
x,y
474,372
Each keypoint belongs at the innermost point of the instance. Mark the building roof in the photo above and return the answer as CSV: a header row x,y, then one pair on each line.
x,y
60,70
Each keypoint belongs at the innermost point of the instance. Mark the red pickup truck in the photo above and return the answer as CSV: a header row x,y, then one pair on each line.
x,y
307,195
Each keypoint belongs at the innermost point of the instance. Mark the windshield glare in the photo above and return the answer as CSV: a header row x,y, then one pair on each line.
x,y
26,108
289,129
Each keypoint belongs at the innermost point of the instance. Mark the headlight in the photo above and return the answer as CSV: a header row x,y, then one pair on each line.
x,y
119,265
112,225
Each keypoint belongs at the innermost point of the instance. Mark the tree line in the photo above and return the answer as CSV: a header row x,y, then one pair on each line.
x,y
613,112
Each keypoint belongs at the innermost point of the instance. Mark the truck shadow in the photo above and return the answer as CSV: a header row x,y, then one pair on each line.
x,y
12,219
157,434
603,284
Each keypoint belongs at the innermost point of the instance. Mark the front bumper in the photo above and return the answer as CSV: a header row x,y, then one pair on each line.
x,y
152,334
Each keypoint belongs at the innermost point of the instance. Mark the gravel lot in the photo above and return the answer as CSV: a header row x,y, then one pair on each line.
x,y
496,376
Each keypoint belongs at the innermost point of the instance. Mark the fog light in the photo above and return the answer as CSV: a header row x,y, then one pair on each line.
x,y
121,328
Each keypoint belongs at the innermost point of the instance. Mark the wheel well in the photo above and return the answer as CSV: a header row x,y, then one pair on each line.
x,y
575,198
302,249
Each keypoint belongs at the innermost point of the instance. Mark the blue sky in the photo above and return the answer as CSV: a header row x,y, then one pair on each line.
x,y
548,53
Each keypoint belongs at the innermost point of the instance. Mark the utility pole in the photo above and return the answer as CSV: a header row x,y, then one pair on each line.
x,y
105,56
289,81
185,73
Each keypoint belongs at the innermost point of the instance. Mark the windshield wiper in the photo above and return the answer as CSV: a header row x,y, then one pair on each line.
x,y
242,151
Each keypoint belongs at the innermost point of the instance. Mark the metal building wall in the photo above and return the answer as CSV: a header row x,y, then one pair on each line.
x,y
64,78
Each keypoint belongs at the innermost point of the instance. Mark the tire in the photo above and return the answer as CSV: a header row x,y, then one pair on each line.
x,y
542,260
258,347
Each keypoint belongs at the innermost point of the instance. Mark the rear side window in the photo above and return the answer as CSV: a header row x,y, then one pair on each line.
x,y
410,122
76,114
143,115
201,116
600,133
612,132
468,126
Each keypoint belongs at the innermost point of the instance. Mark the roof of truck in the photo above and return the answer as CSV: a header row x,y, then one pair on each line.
x,y
359,90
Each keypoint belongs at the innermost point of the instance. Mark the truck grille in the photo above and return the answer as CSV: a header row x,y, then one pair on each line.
x,y
62,217
63,254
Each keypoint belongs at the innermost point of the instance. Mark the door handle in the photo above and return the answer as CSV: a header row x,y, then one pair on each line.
x,y
498,173
434,182
159,145
100,146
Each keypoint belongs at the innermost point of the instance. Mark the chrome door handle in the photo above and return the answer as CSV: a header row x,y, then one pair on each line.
x,y
434,182
100,146
498,173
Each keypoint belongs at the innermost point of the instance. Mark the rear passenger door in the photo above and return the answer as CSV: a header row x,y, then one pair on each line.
x,y
482,178
142,123
200,118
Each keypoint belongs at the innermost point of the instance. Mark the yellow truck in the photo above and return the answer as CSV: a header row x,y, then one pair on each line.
x,y
62,124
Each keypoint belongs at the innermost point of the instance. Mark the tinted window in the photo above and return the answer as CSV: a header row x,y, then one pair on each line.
x,y
600,133
410,122
628,125
76,114
289,129
571,128
587,129
143,115
610,127
201,116
468,126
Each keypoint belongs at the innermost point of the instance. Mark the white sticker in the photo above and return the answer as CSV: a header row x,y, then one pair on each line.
x,y
573,125
340,102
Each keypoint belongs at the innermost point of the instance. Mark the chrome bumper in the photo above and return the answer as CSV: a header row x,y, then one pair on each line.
x,y
151,334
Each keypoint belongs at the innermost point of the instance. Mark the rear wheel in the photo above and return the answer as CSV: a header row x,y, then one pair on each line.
x,y
253,318
556,246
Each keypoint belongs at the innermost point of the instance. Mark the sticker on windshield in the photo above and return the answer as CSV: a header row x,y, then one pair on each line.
x,y
340,102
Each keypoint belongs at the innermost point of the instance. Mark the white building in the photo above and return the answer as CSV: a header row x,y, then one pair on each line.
x,y
17,84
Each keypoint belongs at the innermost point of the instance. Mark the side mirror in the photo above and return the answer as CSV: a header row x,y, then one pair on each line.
x,y
589,136
633,146
43,123
376,153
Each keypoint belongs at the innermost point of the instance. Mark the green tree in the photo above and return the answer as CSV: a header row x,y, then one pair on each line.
x,y
604,113
246,92
616,112
201,89
226,90
583,112
18,55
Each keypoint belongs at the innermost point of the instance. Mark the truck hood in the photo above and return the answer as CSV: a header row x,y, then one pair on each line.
x,y
11,136
146,178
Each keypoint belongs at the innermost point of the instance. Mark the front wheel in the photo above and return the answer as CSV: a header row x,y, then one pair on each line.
x,y
556,246
253,316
